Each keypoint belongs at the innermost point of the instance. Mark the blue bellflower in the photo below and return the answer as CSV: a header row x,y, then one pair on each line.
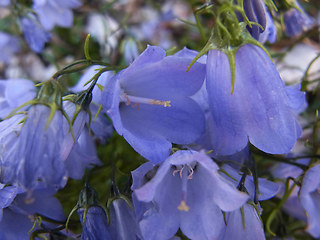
x,y
32,151
256,12
95,224
297,21
293,205
261,109
187,192
9,45
130,50
150,106
19,208
55,12
123,223
310,199
4,3
34,33
247,224
83,154
13,93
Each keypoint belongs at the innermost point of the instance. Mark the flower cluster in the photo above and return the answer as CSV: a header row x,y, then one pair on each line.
x,y
183,142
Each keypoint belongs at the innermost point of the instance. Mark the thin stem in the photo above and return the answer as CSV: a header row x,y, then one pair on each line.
x,y
285,197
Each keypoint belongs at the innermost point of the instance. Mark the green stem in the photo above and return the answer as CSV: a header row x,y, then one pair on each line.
x,y
278,207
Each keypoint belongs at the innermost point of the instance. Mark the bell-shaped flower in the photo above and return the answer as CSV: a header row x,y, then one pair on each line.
x,y
82,155
123,223
310,199
93,217
270,32
186,192
34,146
283,171
261,109
36,155
34,33
5,3
14,93
7,195
150,106
20,210
9,45
95,224
130,50
55,12
297,21
245,223
255,11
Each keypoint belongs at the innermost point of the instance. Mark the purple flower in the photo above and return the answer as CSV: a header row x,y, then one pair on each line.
x,y
149,103
310,199
13,93
123,223
19,208
9,45
292,206
7,195
260,110
130,50
55,12
247,224
35,152
297,21
256,12
95,225
4,3
83,154
250,229
187,192
34,33
270,32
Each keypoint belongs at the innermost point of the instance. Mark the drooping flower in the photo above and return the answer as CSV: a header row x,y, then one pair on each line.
x,y
9,45
150,106
187,192
36,143
19,210
94,226
34,33
92,216
245,223
283,171
5,3
297,21
260,110
130,50
310,199
83,154
270,32
123,223
13,93
55,12
256,12
36,154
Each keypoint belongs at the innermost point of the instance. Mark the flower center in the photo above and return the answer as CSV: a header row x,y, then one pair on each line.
x,y
185,173
128,99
